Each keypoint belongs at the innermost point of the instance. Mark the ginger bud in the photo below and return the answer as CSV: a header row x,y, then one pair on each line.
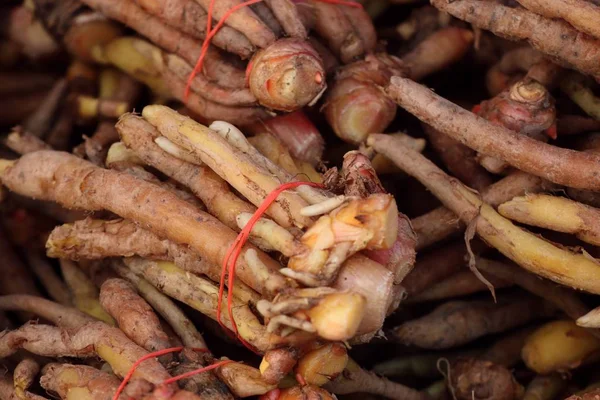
x,y
243,380
559,346
287,75
323,364
276,364
355,105
477,379
338,315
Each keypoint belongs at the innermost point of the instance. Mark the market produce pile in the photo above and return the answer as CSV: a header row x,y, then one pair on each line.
x,y
285,199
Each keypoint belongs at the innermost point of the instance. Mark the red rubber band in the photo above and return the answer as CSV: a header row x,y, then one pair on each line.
x,y
196,371
230,260
148,356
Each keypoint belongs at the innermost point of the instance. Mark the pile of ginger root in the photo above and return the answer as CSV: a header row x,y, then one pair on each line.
x,y
299,200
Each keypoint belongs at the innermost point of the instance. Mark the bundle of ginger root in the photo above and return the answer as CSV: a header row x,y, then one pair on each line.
x,y
220,199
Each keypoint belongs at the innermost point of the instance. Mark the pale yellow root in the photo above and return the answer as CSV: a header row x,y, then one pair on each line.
x,y
573,85
84,292
323,364
274,149
558,347
243,380
140,136
229,162
556,213
236,138
529,251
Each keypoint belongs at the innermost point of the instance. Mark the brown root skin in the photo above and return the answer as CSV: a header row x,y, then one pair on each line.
x,y
459,159
227,160
355,106
563,298
459,322
24,376
171,40
55,287
206,385
202,295
244,20
545,387
439,50
582,15
354,379
459,284
22,142
15,277
507,350
562,166
189,17
80,184
555,38
40,121
286,12
334,25
183,327
97,239
287,75
434,267
277,363
483,380
65,317
88,381
519,245
134,316
440,223
90,340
